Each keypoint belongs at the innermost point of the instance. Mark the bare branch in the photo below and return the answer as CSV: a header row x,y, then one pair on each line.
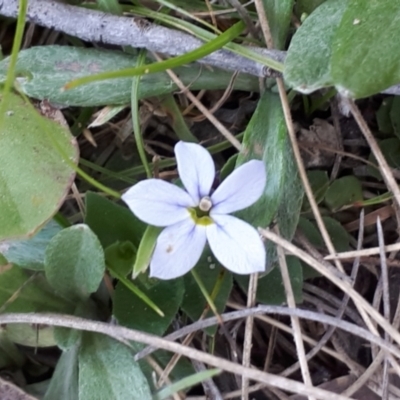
x,y
99,27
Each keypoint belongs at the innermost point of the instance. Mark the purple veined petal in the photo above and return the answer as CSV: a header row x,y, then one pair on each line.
x,y
196,169
178,249
236,245
158,203
240,189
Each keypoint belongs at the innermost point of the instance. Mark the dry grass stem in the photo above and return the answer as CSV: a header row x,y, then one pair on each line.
x,y
297,334
248,332
346,255
120,333
359,301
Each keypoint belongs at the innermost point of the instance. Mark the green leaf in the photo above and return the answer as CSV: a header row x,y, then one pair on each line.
x,y
121,257
214,277
308,60
266,138
178,122
68,337
29,253
366,47
10,355
343,192
74,262
21,292
111,222
279,14
135,290
145,250
228,167
339,235
42,71
306,6
132,312
270,288
34,178
24,292
107,370
64,382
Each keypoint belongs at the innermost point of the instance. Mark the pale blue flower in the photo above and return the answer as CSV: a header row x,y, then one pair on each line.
x,y
197,215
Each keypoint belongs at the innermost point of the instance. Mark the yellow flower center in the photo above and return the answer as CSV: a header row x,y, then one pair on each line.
x,y
201,214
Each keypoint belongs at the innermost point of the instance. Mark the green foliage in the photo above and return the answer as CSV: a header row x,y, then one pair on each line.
x,y
34,177
132,312
29,253
64,383
307,64
42,72
343,192
107,370
351,45
74,262
266,138
145,250
279,14
85,269
112,222
365,48
306,6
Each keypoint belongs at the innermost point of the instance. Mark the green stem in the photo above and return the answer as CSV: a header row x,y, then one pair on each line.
x,y
204,50
135,115
19,32
135,290
203,290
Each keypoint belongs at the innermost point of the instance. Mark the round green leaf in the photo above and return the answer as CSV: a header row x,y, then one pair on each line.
x,y
74,262
307,64
34,178
365,51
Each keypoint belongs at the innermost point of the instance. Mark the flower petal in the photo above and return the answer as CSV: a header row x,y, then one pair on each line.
x,y
236,245
157,202
178,249
196,169
240,189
